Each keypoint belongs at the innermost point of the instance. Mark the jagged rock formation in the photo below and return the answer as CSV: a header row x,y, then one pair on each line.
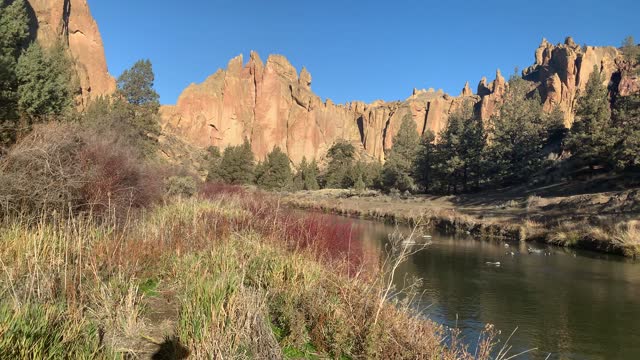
x,y
70,21
271,105
491,95
563,70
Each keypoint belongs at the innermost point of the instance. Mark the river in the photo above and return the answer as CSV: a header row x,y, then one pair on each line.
x,y
570,304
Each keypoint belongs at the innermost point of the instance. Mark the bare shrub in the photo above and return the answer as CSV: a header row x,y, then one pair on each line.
x,y
62,167
42,172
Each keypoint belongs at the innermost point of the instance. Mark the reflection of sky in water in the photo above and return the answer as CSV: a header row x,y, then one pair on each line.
x,y
575,305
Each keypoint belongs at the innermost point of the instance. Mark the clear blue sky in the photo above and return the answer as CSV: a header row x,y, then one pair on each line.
x,y
355,50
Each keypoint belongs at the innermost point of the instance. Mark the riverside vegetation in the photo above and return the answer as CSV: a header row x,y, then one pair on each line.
x,y
220,275
110,251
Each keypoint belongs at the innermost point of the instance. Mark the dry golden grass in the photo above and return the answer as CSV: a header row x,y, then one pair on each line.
x,y
241,291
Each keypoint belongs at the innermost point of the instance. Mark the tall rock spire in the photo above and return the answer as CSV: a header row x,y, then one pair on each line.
x,y
70,21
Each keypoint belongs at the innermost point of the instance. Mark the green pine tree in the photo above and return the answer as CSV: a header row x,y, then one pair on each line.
x,y
397,172
213,159
519,134
424,165
460,151
44,83
237,165
626,132
136,85
359,184
590,139
275,172
341,159
133,118
306,177
14,35
630,50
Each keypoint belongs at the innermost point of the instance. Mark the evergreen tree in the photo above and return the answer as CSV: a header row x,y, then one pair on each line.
x,y
311,176
306,177
44,83
275,172
370,172
341,159
14,34
136,85
213,159
359,184
237,164
555,125
590,140
630,49
133,112
626,123
460,151
424,165
397,172
519,134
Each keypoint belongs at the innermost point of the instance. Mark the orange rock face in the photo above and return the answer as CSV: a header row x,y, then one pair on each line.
x,y
70,21
563,71
271,105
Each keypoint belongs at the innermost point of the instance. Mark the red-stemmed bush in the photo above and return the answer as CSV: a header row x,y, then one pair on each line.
x,y
117,180
332,239
211,190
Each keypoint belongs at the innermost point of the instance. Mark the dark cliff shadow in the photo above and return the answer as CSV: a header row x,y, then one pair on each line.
x,y
171,349
360,122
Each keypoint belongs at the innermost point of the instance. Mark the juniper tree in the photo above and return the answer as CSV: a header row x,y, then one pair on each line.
x,y
132,112
630,49
136,85
519,134
424,165
590,139
44,82
460,151
397,172
213,159
306,178
237,164
275,172
341,158
14,34
626,132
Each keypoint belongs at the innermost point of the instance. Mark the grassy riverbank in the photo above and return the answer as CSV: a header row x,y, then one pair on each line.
x,y
226,276
601,221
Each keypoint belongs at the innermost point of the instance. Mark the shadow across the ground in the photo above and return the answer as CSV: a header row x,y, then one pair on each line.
x,y
171,349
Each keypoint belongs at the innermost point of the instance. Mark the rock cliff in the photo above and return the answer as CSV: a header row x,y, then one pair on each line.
x,y
562,72
271,104
70,21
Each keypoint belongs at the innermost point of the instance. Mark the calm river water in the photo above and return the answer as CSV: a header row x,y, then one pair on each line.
x,y
572,304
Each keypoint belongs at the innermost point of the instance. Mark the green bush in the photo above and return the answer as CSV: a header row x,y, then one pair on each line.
x,y
183,186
